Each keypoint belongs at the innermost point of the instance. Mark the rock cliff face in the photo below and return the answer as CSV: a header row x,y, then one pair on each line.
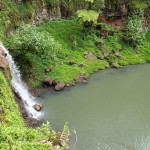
x,y
54,12
3,61
4,65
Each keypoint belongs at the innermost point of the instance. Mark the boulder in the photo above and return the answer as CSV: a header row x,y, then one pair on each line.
x,y
59,86
70,84
24,114
48,81
38,106
83,79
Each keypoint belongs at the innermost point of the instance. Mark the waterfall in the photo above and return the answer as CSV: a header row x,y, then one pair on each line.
x,y
20,87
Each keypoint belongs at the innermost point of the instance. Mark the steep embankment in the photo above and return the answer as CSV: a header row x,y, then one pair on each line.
x,y
13,132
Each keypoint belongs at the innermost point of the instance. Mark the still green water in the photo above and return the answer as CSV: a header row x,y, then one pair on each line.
x,y
111,112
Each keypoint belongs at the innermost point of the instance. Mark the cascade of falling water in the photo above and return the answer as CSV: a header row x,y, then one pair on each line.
x,y
20,87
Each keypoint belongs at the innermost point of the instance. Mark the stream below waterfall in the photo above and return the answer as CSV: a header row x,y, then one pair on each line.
x,y
111,112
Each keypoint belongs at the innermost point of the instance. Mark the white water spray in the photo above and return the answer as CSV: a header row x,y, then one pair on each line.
x,y
20,87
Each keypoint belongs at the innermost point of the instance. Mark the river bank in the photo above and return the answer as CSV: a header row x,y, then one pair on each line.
x,y
76,59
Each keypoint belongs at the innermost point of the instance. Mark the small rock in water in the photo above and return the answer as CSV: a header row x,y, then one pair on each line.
x,y
59,86
38,106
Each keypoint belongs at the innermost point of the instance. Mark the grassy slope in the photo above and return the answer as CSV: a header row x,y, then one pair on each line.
x,y
13,132
69,34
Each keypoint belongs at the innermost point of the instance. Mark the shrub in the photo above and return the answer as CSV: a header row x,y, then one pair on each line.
x,y
135,31
29,40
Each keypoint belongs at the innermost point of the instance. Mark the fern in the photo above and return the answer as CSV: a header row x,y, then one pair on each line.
x,y
88,16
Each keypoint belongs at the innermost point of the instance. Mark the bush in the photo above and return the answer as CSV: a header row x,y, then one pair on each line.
x,y
135,31
29,40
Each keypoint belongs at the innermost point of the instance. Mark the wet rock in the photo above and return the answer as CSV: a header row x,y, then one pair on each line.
x,y
24,114
115,65
54,83
59,86
33,122
38,106
83,79
106,53
48,81
70,84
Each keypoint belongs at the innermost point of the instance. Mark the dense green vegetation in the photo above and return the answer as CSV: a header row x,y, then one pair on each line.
x,y
74,44
13,132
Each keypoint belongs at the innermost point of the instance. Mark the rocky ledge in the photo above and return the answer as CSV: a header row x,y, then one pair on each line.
x,y
58,86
